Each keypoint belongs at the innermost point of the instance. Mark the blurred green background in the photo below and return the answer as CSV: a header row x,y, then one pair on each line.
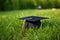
x,y
28,4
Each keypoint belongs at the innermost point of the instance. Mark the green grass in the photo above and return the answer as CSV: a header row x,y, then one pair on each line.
x,y
10,25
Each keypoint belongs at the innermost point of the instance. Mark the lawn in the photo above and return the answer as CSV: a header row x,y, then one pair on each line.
x,y
10,25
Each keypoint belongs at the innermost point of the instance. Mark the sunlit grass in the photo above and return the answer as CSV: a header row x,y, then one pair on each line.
x,y
10,25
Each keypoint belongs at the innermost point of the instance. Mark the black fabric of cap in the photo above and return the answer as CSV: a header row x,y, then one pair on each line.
x,y
32,18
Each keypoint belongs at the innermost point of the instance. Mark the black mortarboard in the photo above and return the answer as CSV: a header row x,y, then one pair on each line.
x,y
32,18
32,21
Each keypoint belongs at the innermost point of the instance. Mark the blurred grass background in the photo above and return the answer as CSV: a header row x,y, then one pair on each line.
x,y
6,5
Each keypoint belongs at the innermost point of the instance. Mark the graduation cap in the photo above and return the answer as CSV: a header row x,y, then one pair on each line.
x,y
32,21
